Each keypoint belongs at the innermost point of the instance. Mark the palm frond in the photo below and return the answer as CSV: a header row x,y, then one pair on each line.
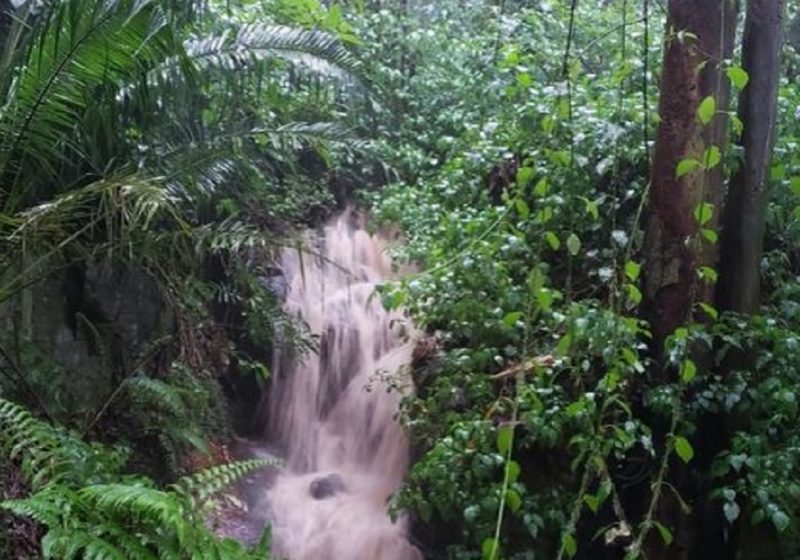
x,y
296,135
117,206
232,236
318,52
203,168
77,46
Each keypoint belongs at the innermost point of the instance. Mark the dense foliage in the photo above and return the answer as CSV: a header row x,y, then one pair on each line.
x,y
153,156
512,144
545,398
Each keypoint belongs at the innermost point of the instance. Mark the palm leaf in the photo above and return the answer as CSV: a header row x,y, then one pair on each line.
x,y
77,46
201,168
318,52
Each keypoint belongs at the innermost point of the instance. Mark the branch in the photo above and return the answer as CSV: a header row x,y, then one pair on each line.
x,y
525,367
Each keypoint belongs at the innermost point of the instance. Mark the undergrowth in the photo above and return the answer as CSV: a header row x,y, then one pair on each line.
x,y
91,509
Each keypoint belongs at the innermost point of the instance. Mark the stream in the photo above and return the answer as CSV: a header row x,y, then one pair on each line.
x,y
332,413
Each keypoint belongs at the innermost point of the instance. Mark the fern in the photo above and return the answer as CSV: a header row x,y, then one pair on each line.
x,y
155,394
48,454
201,486
124,518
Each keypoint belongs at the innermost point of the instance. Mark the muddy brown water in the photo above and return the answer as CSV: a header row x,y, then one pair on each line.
x,y
332,414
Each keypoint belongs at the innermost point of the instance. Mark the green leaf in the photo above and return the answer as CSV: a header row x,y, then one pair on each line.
x,y
576,408
632,270
780,520
738,76
731,511
524,80
709,235
522,208
688,371
794,185
564,345
511,318
513,470
397,299
573,244
684,449
778,172
709,310
548,124
592,501
524,176
490,549
708,274
634,293
512,58
703,213
425,511
666,534
569,544
711,158
686,166
504,439
707,110
552,240
738,125
541,187
592,209
545,299
513,500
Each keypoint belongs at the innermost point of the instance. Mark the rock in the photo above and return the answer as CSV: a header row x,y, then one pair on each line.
x,y
326,486
276,283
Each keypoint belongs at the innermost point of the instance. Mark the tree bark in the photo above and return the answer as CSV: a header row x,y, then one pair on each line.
x,y
746,205
700,35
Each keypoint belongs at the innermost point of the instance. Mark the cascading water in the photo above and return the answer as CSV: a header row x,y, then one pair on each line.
x,y
333,412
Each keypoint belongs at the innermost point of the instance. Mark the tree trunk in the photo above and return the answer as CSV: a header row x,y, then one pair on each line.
x,y
701,35
746,206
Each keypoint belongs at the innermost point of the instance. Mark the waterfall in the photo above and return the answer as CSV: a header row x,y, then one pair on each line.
x,y
333,412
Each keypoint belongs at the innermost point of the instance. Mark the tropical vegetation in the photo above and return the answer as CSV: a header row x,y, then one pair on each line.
x,y
600,200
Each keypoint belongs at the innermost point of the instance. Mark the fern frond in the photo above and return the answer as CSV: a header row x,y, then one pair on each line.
x,y
30,440
50,454
203,485
155,393
77,543
42,511
135,502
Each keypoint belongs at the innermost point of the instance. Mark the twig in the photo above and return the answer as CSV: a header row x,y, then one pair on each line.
x,y
525,367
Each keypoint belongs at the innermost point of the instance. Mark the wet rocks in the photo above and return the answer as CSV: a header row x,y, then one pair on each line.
x,y
326,486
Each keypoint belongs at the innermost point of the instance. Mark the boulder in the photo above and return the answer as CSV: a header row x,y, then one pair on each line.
x,y
326,486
